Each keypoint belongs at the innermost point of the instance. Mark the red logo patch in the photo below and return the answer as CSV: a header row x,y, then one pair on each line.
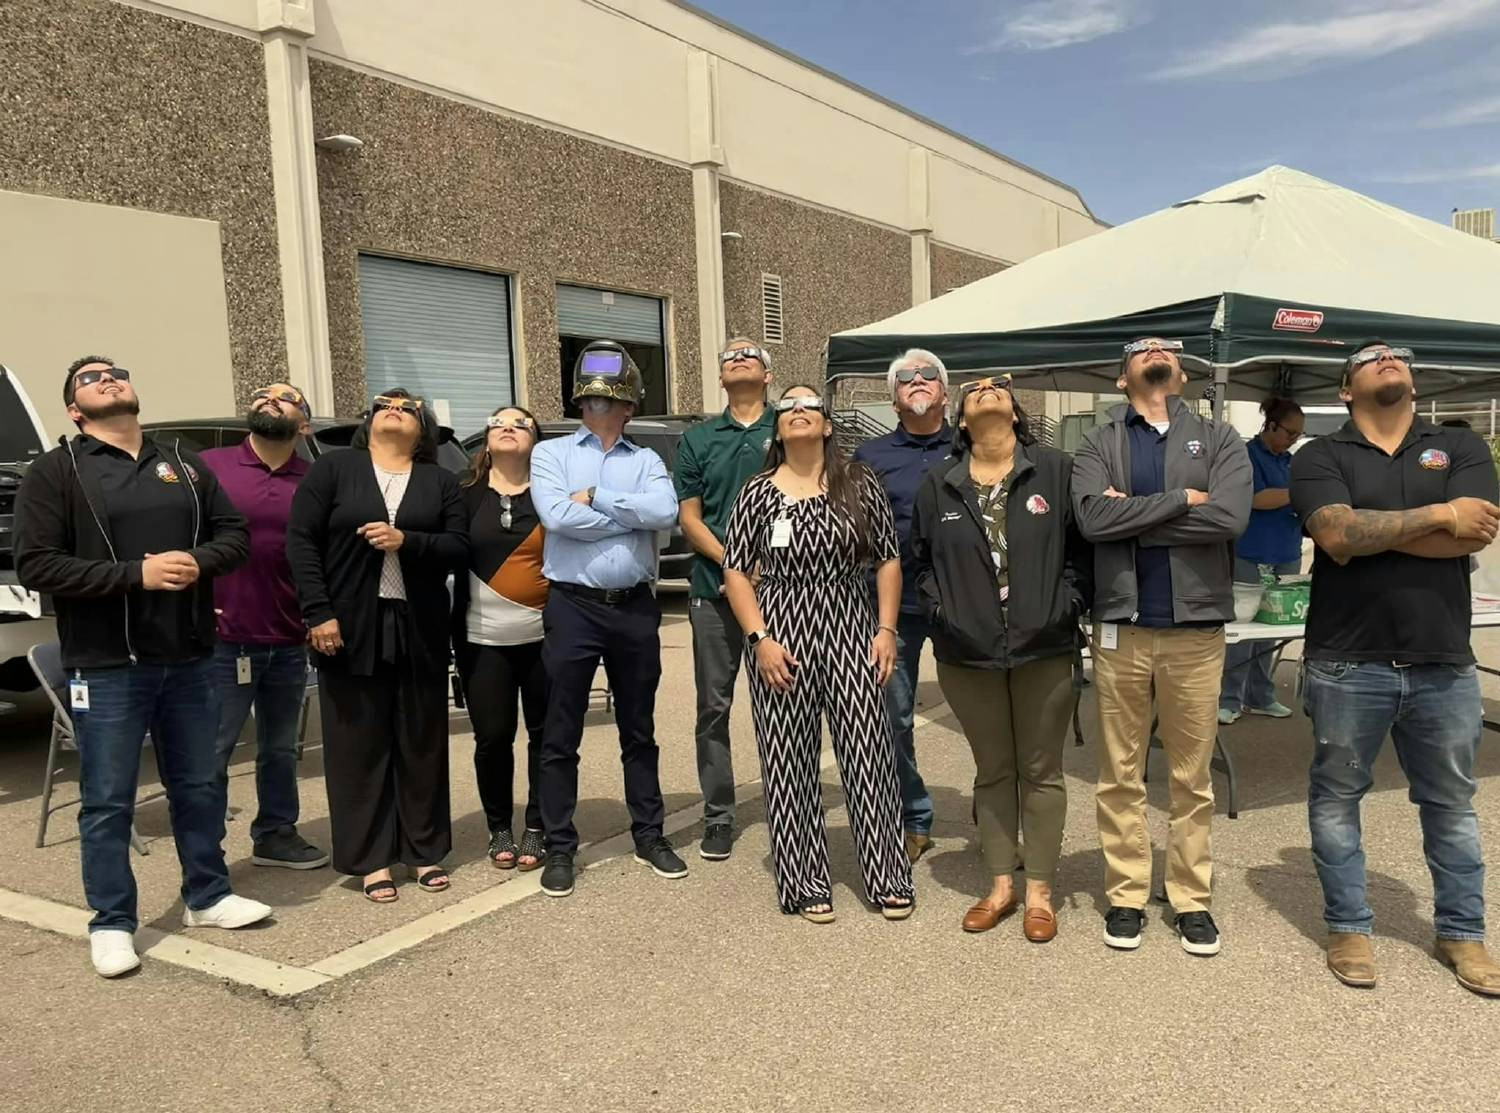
x,y
1037,505
1298,320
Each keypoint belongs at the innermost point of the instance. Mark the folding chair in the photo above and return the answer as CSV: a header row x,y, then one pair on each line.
x,y
46,665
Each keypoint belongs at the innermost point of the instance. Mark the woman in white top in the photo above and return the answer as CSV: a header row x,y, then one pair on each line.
x,y
497,629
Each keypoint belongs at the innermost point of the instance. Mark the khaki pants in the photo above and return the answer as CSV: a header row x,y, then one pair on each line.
x,y
1182,667
1016,722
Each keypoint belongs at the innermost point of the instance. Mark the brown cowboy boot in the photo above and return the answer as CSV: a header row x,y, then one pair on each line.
x,y
1351,958
1472,965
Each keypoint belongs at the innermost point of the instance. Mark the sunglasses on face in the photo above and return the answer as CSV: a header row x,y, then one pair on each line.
x,y
994,382
909,375
802,402
1375,355
411,406
510,423
743,353
1152,345
89,378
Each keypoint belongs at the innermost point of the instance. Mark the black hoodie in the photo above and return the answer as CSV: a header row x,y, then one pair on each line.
x,y
64,548
1050,564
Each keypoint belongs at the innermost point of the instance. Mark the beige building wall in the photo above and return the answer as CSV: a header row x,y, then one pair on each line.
x,y
72,285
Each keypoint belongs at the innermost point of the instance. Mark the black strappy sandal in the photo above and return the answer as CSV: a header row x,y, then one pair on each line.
x,y
433,881
533,846
806,909
386,886
503,842
897,911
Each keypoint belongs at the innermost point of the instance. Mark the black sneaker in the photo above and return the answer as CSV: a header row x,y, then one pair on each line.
x,y
1122,927
1199,934
662,859
557,873
287,849
718,842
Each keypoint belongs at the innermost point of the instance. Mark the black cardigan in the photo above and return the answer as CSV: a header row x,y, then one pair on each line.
x,y
338,571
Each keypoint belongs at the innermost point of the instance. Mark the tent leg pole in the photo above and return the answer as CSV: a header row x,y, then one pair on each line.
x,y
1221,388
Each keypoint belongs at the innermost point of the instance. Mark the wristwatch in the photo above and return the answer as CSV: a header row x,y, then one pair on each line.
x,y
591,495
756,637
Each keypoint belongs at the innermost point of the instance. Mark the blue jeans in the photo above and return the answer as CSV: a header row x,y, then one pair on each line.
x,y
179,705
1247,665
1433,715
278,682
900,705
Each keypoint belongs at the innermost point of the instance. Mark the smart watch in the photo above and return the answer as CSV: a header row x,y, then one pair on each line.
x,y
756,637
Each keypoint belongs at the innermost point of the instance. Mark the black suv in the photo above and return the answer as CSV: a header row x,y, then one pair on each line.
x,y
660,434
328,435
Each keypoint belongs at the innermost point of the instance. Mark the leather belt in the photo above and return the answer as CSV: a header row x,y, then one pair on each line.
x,y
613,596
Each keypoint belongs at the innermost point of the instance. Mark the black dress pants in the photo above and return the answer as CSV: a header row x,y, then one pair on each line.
x,y
494,676
580,632
385,760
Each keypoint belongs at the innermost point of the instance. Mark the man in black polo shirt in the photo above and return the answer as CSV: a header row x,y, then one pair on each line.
x,y
126,536
1396,507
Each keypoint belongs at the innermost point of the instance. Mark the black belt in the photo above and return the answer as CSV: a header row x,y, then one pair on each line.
x,y
613,596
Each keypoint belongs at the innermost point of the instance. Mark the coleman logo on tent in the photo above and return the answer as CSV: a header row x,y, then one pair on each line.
x,y
1298,320
1434,459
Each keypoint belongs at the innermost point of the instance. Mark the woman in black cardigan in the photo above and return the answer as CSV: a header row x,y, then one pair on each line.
x,y
374,533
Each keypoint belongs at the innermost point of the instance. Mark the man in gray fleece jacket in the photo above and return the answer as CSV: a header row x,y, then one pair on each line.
x,y
1162,493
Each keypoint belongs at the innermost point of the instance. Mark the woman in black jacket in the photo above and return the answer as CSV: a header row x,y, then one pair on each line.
x,y
374,533
1000,569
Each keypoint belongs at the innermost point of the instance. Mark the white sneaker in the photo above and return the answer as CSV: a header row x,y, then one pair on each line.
x,y
230,912
113,952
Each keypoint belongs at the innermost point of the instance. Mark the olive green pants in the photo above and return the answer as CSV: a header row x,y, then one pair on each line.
x,y
1016,722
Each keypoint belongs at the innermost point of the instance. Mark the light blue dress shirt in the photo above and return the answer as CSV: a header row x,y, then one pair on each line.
x,y
611,543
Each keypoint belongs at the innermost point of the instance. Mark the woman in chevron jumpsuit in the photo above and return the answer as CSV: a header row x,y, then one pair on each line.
x,y
810,525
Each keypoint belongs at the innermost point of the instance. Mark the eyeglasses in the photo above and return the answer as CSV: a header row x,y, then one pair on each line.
x,y
510,423
411,406
743,353
994,382
1152,345
505,505
89,378
909,374
1375,355
801,402
287,394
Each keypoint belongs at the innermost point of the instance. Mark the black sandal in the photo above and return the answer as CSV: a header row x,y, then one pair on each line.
x,y
503,842
386,886
897,911
823,915
433,881
533,846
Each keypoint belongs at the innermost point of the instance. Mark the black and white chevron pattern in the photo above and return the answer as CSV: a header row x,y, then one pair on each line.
x,y
816,604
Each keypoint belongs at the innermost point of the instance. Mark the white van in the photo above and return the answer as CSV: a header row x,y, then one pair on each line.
x,y
23,622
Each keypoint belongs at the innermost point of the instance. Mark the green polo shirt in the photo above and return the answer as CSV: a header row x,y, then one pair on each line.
x,y
714,460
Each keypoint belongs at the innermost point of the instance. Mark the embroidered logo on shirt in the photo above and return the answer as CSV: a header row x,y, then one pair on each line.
x,y
1434,459
166,474
1037,505
950,516
1194,449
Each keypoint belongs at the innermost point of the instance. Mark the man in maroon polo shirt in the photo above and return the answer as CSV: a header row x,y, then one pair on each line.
x,y
261,658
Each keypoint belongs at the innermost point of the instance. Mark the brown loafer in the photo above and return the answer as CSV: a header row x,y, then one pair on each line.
x,y
1351,958
1039,924
917,844
983,916
1472,965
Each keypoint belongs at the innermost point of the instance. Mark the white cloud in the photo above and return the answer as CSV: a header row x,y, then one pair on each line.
x,y
1441,177
1370,30
1049,24
1483,111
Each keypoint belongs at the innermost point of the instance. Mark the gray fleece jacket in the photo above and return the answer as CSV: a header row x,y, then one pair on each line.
x,y
1201,454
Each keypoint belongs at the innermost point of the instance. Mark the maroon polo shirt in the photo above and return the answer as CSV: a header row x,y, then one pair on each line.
x,y
258,604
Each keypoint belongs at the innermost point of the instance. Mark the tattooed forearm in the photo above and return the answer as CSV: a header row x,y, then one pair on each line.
x,y
1343,532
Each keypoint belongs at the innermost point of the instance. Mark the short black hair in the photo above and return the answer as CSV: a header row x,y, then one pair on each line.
x,y
427,442
76,366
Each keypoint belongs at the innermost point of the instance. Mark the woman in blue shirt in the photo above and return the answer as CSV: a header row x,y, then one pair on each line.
x,y
1274,537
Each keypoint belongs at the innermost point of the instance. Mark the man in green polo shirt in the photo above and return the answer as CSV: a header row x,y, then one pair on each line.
x,y
715,459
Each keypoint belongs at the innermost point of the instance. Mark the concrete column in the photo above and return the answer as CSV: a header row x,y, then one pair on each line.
x,y
285,27
707,156
919,222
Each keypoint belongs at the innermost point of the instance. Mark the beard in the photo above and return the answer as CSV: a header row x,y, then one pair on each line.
x,y
920,408
117,405
1392,394
272,426
1158,373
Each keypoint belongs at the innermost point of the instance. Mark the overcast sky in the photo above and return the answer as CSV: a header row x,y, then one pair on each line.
x,y
1140,103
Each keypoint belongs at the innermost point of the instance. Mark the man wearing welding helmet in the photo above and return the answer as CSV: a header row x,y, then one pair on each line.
x,y
602,499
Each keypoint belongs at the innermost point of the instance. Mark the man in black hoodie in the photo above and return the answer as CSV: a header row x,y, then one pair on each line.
x,y
126,535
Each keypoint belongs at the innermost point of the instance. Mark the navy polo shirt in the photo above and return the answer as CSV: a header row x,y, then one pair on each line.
x,y
1273,536
1153,564
901,461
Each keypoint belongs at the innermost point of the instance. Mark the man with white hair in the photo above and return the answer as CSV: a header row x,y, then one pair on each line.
x,y
918,383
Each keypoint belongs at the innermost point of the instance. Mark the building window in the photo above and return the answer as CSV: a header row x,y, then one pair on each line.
x,y
637,324
441,332
771,330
